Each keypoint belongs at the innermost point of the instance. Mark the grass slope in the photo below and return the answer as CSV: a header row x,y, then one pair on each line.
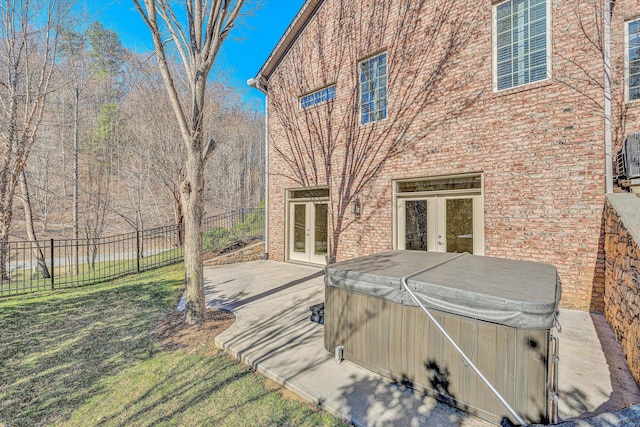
x,y
85,357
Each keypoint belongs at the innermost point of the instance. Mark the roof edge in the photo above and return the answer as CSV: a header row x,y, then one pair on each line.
x,y
299,23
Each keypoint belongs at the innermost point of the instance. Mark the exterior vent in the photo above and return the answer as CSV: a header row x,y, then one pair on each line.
x,y
627,162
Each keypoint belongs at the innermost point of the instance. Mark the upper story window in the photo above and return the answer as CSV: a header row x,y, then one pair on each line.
x,y
318,97
521,43
632,60
373,89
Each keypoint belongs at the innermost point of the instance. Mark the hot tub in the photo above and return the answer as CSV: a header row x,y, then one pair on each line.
x,y
500,313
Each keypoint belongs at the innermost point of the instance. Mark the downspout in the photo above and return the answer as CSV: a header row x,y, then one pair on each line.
x,y
259,83
608,149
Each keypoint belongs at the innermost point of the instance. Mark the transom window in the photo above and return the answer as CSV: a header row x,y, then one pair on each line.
x,y
373,89
521,43
309,193
633,60
318,97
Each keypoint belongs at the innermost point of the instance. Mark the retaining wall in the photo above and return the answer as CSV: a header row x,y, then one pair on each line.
x,y
622,274
253,252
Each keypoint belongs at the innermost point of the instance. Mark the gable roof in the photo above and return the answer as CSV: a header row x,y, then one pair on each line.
x,y
300,21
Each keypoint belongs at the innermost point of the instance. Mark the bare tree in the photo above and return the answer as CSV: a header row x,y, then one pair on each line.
x,y
236,173
156,135
46,181
587,78
197,43
28,47
327,145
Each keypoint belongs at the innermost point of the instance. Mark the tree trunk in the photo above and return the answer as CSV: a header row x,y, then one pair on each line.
x,y
31,232
192,206
193,209
76,228
5,221
179,217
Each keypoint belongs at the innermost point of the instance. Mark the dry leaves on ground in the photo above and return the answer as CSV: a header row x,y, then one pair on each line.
x,y
171,333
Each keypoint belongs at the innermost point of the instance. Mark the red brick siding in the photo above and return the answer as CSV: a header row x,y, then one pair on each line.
x,y
540,148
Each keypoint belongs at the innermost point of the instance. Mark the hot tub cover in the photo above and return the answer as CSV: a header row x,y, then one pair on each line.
x,y
519,294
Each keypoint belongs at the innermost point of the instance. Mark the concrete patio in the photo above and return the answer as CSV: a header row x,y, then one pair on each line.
x,y
272,333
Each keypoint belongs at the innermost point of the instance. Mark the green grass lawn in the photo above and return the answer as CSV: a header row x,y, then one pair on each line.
x,y
85,357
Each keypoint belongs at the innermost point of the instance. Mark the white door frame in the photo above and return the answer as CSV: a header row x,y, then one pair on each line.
x,y
309,255
436,198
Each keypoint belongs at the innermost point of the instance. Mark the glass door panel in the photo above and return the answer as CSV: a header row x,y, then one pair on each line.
x,y
459,225
300,228
320,236
321,226
441,223
416,225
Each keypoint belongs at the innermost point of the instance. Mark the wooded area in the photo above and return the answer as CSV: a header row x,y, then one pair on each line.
x,y
110,140
90,144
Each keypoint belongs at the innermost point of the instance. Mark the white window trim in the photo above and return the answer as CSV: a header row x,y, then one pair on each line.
x,y
360,89
627,86
494,48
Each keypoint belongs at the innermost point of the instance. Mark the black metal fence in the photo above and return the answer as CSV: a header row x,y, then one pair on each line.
x,y
29,266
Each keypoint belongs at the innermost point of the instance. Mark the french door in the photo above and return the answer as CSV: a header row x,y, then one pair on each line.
x,y
443,223
309,231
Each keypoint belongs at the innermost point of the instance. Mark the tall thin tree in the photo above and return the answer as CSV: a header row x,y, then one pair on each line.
x,y
197,42
28,47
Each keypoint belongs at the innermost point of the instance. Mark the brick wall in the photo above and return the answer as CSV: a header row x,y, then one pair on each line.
x,y
622,292
539,147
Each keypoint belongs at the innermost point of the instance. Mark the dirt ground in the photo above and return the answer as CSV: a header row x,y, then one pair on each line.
x,y
171,333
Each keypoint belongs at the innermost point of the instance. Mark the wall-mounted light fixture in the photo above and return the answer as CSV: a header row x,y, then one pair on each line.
x,y
356,208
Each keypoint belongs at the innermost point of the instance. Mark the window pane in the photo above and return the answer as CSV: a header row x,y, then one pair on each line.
x,y
504,39
318,97
538,27
504,10
504,53
539,11
441,184
308,194
373,89
521,38
634,68
504,68
633,60
538,74
505,82
538,58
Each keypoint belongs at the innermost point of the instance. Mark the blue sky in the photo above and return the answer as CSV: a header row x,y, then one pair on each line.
x,y
243,53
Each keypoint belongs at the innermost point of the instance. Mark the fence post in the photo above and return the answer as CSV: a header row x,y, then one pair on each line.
x,y
243,215
51,273
138,251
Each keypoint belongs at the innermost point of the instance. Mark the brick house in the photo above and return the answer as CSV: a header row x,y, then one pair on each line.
x,y
447,126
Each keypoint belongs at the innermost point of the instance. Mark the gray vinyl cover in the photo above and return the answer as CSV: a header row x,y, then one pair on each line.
x,y
518,294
